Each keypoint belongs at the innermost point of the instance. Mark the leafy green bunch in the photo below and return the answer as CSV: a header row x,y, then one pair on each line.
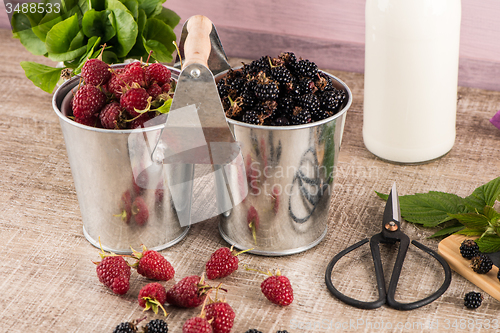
x,y
473,215
75,30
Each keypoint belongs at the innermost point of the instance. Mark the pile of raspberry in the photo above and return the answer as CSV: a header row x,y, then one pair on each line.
x,y
279,91
121,98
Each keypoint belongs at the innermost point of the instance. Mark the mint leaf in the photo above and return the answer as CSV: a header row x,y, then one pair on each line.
x,y
382,195
472,220
484,195
488,243
44,77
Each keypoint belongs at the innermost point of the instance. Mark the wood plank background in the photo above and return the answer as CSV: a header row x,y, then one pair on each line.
x,y
331,32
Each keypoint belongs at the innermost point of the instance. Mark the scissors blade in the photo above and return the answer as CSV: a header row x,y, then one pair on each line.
x,y
392,210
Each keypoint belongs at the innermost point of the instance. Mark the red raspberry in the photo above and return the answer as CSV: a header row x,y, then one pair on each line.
x,y
222,263
140,211
140,122
189,292
277,289
116,83
158,73
133,100
197,325
88,101
135,74
152,296
132,65
95,72
92,121
111,116
166,87
154,90
222,316
153,265
114,272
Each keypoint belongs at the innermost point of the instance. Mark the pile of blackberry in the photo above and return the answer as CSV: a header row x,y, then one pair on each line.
x,y
279,91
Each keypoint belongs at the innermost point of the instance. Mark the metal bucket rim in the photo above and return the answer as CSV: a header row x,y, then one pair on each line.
x,y
296,127
71,83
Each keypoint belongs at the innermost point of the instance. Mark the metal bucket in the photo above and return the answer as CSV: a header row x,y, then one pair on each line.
x,y
105,175
290,172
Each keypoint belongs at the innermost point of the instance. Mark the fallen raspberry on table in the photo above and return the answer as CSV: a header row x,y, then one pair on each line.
x,y
153,265
140,211
222,316
111,116
197,325
222,263
153,296
88,102
277,289
135,101
157,73
95,72
189,292
114,272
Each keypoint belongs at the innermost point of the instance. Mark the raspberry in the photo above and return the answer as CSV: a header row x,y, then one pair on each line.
x,y
481,263
153,265
134,100
111,116
154,90
197,325
222,316
152,296
277,289
157,73
156,326
88,101
189,292
166,87
222,263
114,272
140,121
92,121
95,72
125,328
140,211
135,74
473,300
469,249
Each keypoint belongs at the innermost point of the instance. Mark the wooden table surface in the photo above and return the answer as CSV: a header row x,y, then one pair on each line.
x,y
48,281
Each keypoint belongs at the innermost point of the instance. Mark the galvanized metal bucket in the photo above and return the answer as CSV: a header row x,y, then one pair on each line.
x,y
106,182
290,172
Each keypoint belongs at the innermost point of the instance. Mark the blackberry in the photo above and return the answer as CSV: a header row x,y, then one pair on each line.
x,y
331,100
309,102
288,58
283,331
283,121
300,116
222,88
481,263
306,86
248,94
281,75
266,89
260,65
472,300
251,117
324,82
498,275
236,84
253,330
305,68
469,249
156,326
319,115
125,328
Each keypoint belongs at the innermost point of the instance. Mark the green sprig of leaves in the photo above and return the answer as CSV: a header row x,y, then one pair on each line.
x,y
130,29
473,215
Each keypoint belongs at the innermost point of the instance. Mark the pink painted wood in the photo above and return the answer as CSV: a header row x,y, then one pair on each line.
x,y
331,32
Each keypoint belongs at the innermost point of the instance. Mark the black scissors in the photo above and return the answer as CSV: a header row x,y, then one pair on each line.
x,y
391,233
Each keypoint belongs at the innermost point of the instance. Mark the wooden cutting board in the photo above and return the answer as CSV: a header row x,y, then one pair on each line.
x,y
449,249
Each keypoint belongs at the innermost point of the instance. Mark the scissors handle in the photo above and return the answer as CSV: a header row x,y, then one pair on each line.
x,y
387,296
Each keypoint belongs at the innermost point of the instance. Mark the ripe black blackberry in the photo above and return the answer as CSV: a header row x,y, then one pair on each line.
x,y
309,102
251,117
305,68
283,331
331,100
253,330
256,66
324,82
125,328
223,88
473,300
288,58
156,326
319,115
306,86
281,121
300,116
481,263
265,88
469,249
281,75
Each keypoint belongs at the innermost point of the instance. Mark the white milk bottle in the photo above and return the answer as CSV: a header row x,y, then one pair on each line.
x,y
411,73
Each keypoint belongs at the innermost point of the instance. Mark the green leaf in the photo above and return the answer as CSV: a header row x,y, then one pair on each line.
x,y
109,57
448,231
491,214
470,232
93,42
472,220
383,195
44,77
61,35
132,6
47,23
151,7
488,243
484,195
27,37
169,17
158,38
126,31
165,108
98,24
138,50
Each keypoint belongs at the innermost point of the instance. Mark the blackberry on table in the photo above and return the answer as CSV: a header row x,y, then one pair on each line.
x,y
473,300
125,328
469,249
253,330
156,326
481,263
